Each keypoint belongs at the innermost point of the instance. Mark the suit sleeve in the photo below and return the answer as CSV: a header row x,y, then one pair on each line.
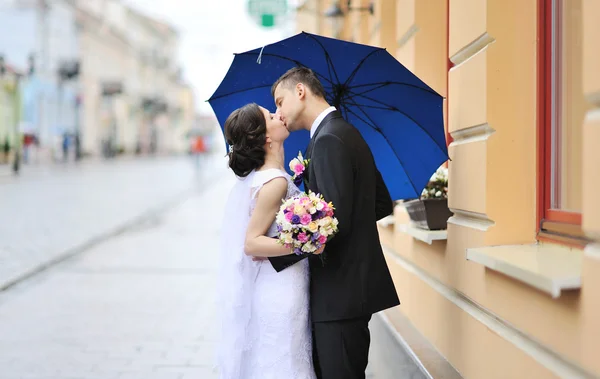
x,y
384,206
285,261
333,170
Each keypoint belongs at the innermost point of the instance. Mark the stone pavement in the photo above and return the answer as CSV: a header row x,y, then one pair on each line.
x,y
51,212
137,305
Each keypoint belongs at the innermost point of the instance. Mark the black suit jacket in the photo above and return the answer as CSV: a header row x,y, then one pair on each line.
x,y
353,279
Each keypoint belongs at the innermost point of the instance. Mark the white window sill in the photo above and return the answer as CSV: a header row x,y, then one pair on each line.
x,y
427,236
549,268
387,221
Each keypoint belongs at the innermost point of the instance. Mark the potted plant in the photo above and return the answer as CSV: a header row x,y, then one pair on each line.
x,y
431,211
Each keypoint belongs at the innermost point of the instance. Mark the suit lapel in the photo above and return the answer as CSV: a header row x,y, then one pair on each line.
x,y
326,120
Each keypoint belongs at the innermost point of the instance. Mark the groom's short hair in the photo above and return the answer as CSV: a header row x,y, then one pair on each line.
x,y
302,75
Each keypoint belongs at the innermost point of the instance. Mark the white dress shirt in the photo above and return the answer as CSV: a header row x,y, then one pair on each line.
x,y
320,119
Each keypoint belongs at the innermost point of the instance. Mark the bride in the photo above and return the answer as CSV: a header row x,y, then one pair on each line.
x,y
266,330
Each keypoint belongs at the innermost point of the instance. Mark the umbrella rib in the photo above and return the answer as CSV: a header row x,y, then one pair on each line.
x,y
291,60
389,143
371,123
327,57
345,108
383,84
353,73
239,91
394,109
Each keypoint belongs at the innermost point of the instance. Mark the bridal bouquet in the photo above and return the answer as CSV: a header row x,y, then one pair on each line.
x,y
305,222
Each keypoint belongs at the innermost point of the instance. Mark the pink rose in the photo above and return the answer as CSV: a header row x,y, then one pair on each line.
x,y
305,219
330,213
322,239
302,237
288,216
298,169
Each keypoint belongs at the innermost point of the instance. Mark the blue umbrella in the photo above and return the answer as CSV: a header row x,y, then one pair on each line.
x,y
399,116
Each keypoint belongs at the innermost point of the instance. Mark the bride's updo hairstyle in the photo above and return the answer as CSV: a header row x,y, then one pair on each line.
x,y
246,135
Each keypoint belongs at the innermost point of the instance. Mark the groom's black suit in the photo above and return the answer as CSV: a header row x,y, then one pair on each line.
x,y
353,281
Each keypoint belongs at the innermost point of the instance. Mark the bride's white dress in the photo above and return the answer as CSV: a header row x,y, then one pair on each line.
x,y
277,342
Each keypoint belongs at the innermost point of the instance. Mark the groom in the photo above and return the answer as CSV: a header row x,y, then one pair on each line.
x,y
353,281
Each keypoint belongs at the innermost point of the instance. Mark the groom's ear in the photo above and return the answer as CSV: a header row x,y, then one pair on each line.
x,y
300,91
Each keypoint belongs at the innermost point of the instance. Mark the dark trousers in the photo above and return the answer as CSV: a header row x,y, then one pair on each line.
x,y
341,348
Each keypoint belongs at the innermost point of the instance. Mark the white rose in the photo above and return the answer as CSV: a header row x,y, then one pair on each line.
x,y
325,221
309,247
288,238
293,163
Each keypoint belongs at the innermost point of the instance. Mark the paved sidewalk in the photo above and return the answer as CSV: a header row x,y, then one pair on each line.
x,y
59,210
138,306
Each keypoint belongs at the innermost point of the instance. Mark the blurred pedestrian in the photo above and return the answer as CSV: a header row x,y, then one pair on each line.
x,y
65,147
198,149
77,143
6,150
27,143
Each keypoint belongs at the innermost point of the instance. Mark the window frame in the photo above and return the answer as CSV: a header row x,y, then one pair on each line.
x,y
449,66
554,225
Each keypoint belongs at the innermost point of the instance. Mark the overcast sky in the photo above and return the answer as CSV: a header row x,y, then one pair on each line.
x,y
211,31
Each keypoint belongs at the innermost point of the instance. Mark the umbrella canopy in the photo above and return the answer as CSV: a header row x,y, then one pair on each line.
x,y
399,116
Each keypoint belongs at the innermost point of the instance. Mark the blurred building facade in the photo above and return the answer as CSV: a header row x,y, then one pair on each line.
x,y
133,83
40,40
512,292
97,71
9,110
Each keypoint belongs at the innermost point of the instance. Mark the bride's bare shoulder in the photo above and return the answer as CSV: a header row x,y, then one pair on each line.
x,y
276,185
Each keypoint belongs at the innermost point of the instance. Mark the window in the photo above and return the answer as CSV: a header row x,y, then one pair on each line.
x,y
562,108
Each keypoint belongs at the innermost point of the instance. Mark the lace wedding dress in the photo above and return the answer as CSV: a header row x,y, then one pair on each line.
x,y
266,324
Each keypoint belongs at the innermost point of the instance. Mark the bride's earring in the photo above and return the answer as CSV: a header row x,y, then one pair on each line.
x,y
270,146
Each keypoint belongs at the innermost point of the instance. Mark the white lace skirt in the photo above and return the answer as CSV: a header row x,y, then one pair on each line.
x,y
282,344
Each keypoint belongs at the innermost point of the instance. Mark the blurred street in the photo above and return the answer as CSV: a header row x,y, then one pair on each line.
x,y
138,303
55,210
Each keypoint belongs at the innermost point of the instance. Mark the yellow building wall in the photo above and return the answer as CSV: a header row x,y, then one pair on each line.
x,y
591,125
308,17
492,117
590,299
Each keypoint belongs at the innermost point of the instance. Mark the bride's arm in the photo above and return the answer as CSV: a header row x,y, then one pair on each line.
x,y
267,206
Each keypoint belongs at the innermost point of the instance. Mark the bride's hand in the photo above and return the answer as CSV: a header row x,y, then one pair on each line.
x,y
319,250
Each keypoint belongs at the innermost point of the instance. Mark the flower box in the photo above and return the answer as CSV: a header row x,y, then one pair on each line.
x,y
431,211
429,214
